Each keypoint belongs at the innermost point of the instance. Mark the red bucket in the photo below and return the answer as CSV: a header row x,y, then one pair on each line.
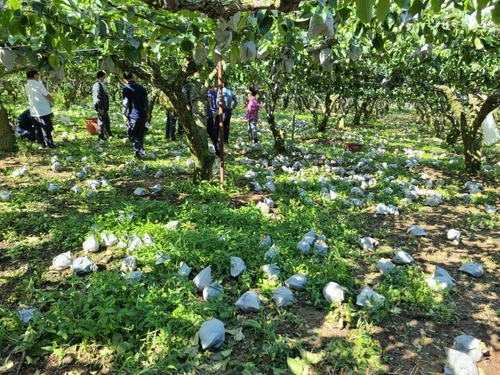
x,y
354,147
91,125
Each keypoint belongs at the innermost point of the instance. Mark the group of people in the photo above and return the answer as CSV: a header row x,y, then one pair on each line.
x,y
229,103
135,111
35,123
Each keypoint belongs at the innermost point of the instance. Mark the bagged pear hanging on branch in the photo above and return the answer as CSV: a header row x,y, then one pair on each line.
x,y
248,51
7,57
200,55
223,40
320,24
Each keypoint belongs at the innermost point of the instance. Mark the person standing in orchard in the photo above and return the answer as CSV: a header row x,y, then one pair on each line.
x,y
229,102
101,105
135,110
252,115
212,126
40,105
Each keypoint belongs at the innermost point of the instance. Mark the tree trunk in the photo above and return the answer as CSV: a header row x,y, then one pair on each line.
x,y
278,134
326,113
193,121
194,124
270,102
454,133
7,137
469,117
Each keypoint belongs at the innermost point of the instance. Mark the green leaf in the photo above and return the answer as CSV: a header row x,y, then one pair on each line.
x,y
134,42
50,30
131,53
295,366
310,357
478,44
364,10
481,4
378,42
306,10
436,5
15,4
265,25
416,7
103,28
383,7
495,13
187,45
251,323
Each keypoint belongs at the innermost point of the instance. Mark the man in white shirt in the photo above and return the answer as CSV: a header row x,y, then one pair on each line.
x,y
40,105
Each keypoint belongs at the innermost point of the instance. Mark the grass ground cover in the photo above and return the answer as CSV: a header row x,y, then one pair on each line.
x,y
100,323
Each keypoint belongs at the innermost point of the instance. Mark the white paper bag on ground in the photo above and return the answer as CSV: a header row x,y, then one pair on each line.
x,y
91,244
238,266
212,334
83,265
184,270
385,266
303,246
417,231
212,291
161,258
471,346
272,271
297,282
459,363
249,302
109,239
62,261
6,196
369,298
490,130
272,253
283,296
473,269
368,243
133,276
134,243
454,235
203,278
265,241
129,264
26,313
333,292
402,257
320,247
441,279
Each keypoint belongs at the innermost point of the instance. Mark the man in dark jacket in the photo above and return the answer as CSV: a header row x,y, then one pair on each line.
x,y
25,127
101,105
135,110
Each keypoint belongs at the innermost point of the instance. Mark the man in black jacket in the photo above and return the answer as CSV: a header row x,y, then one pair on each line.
x,y
101,105
135,110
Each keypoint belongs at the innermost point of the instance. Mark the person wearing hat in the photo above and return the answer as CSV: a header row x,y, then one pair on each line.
x,y
252,115
135,111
